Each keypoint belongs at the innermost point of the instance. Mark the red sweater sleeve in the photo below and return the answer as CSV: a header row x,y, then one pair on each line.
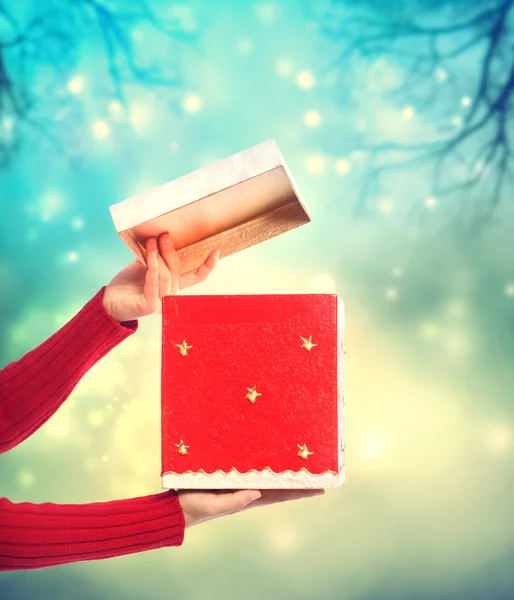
x,y
31,390
43,535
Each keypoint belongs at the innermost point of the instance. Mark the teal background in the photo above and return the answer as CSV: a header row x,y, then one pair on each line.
x,y
426,511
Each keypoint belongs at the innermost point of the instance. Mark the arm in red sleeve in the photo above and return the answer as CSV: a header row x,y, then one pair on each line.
x,y
34,387
43,535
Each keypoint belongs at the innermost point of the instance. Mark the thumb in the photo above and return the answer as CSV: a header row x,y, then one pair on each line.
x,y
229,503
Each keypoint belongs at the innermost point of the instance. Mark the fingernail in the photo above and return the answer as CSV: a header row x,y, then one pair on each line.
x,y
254,495
167,239
217,254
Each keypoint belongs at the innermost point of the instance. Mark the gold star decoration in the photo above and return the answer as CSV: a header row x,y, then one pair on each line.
x,y
307,344
304,452
181,448
183,347
252,394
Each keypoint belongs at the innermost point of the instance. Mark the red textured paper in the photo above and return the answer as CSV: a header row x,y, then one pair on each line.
x,y
238,342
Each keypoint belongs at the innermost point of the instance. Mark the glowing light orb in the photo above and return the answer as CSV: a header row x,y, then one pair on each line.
x,y
73,256
509,289
465,101
386,206
391,293
342,166
430,202
312,118
323,283
282,539
499,439
374,447
408,112
60,426
397,271
77,223
26,479
428,330
315,164
267,11
192,103
305,80
115,106
140,116
441,75
76,85
95,418
101,129
50,205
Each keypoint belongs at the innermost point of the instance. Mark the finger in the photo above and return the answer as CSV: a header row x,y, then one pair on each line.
x,y
165,284
151,285
223,504
203,271
172,261
276,496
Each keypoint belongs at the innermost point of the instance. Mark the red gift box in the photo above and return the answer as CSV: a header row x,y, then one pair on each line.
x,y
252,391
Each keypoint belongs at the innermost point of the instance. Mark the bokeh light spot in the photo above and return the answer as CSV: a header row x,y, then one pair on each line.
x,y
140,116
282,539
374,447
342,166
26,479
315,164
312,118
95,418
509,290
101,129
441,74
408,112
305,80
76,84
428,330
499,439
77,223
386,206
267,11
192,103
323,283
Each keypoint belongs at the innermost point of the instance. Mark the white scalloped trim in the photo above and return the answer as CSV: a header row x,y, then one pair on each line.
x,y
265,479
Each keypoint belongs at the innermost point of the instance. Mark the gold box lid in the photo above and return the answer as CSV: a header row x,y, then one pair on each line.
x,y
231,204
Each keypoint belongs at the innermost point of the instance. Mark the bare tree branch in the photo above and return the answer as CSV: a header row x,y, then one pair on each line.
x,y
479,140
47,41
